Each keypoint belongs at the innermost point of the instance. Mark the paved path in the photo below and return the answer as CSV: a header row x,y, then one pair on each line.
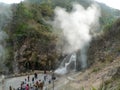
x,y
16,81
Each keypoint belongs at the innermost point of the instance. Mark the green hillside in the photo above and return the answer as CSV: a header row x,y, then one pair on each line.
x,y
32,39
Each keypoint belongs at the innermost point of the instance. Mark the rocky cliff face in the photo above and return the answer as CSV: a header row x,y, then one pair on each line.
x,y
32,44
105,48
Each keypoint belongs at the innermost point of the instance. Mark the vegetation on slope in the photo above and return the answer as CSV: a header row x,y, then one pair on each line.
x,y
31,38
106,47
31,43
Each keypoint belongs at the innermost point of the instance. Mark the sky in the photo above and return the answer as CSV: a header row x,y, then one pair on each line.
x,y
11,1
112,3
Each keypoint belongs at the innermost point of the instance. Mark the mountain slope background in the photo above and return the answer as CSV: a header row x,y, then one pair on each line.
x,y
104,71
32,43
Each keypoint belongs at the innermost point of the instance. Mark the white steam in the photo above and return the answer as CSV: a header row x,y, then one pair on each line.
x,y
5,17
75,31
76,26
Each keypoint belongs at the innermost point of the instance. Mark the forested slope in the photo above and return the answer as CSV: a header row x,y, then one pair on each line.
x,y
32,43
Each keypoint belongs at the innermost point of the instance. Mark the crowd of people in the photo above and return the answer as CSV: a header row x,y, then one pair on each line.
x,y
34,82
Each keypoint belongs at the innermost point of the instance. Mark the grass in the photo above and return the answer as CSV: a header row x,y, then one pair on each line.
x,y
95,69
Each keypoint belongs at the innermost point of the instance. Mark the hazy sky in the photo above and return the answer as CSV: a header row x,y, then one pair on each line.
x,y
11,1
112,3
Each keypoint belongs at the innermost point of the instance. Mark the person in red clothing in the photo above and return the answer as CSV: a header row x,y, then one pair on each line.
x,y
27,87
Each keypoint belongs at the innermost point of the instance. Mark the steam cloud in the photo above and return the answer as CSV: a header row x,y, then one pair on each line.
x,y
76,26
5,17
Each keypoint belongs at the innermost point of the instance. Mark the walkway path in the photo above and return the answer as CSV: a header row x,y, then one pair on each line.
x,y
16,81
